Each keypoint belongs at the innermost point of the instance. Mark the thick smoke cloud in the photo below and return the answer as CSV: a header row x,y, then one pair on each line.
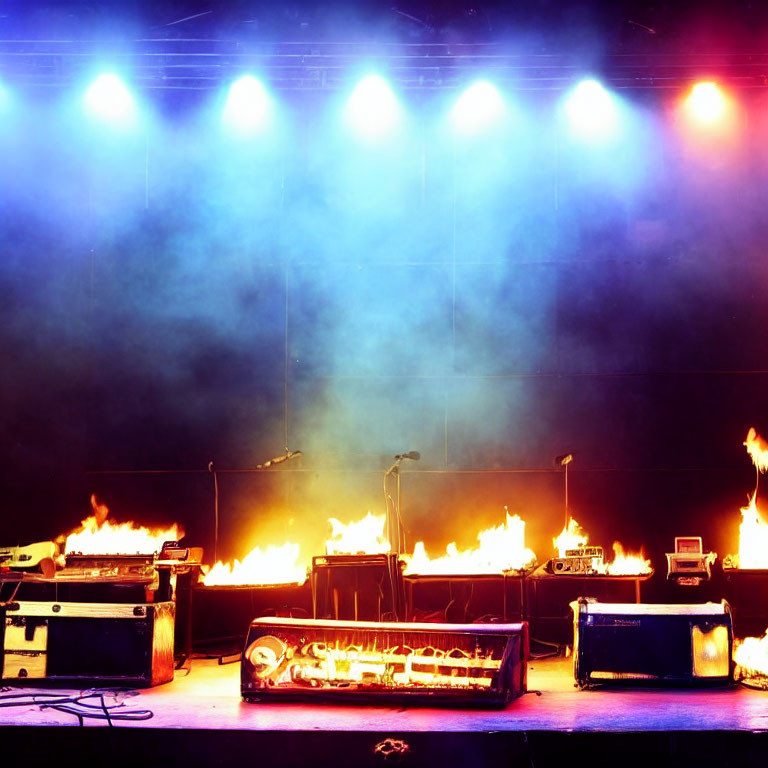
x,y
176,298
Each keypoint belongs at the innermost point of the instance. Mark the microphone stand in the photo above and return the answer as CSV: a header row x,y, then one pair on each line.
x,y
397,543
394,524
564,461
214,473
212,470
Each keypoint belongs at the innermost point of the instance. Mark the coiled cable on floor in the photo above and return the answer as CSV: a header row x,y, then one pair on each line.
x,y
95,704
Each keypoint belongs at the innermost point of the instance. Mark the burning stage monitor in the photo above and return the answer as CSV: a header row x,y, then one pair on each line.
x,y
689,564
647,643
583,561
391,661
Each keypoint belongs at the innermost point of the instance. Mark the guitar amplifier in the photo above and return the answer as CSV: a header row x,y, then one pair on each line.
x,y
652,643
98,643
358,587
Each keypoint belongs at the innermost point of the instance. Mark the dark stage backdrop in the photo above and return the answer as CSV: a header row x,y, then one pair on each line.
x,y
175,298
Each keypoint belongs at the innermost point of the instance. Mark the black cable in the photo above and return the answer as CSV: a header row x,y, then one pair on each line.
x,y
79,704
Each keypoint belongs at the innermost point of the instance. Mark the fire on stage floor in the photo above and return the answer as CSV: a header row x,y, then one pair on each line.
x,y
200,719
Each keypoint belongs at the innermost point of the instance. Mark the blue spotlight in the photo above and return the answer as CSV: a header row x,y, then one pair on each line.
x,y
248,109
479,107
372,110
109,100
592,111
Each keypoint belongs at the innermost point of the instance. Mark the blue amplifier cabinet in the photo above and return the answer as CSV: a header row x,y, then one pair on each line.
x,y
650,644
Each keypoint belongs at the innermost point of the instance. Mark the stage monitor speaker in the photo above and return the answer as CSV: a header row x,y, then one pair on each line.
x,y
647,643
461,664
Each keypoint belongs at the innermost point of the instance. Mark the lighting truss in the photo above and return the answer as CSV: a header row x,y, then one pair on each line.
x,y
199,64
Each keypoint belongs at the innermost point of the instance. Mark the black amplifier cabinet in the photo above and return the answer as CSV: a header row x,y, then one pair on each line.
x,y
97,643
549,596
747,592
358,587
64,589
651,643
465,598
221,615
385,661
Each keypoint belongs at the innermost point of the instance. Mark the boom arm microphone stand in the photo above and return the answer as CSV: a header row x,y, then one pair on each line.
x,y
395,530
214,472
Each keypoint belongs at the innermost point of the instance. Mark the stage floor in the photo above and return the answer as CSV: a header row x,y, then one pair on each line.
x,y
201,719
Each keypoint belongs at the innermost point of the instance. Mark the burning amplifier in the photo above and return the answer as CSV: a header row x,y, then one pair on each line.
x,y
624,643
688,565
109,565
366,587
88,642
391,661
584,560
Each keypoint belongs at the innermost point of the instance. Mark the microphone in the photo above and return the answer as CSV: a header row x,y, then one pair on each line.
x,y
563,460
414,455
279,459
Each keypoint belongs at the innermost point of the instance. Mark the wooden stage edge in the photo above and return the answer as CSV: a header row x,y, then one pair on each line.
x,y
200,719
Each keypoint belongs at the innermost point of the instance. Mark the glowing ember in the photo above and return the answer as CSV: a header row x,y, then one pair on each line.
x,y
272,565
753,538
501,549
571,537
627,564
752,656
757,448
365,536
100,536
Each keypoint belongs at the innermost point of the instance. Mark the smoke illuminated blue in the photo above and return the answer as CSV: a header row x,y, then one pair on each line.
x,y
479,107
109,100
5,99
372,110
248,109
591,111
483,300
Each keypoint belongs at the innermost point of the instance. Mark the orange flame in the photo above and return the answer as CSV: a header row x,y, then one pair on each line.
x,y
272,565
757,448
100,536
501,549
752,655
571,537
626,563
364,536
753,537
